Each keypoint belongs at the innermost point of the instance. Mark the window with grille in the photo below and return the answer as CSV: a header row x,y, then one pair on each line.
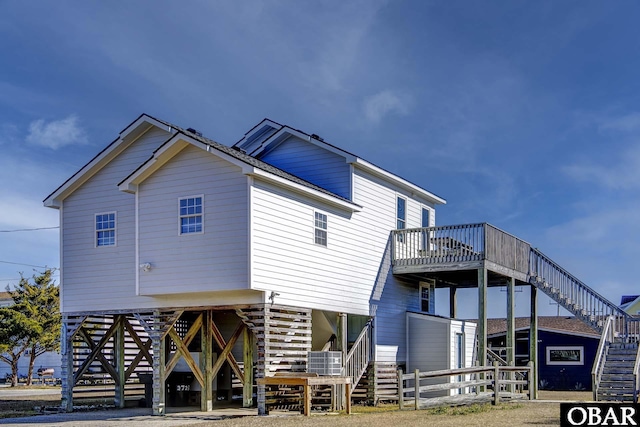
x,y
106,229
191,215
320,229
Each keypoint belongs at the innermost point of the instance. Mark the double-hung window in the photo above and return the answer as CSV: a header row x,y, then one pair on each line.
x,y
320,230
427,293
106,229
401,213
191,214
425,223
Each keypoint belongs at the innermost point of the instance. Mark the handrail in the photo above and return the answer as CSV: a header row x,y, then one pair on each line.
x,y
598,366
359,356
636,375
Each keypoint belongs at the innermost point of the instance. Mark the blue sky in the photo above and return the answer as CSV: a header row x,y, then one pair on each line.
x,y
523,114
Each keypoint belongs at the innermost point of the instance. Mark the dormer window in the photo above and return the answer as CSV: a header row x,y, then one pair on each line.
x,y
191,215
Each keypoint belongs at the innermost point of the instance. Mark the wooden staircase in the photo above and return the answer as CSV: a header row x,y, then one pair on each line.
x,y
618,382
616,370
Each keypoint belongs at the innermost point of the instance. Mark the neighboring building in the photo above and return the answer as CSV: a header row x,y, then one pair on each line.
x,y
50,359
630,304
164,222
566,349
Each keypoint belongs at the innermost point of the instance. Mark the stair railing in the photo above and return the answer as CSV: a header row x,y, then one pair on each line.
x,y
607,337
636,375
577,297
359,356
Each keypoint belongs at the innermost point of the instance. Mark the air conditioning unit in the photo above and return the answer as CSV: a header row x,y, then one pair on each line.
x,y
325,362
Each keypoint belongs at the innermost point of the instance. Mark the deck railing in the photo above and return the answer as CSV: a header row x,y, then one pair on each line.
x,y
459,243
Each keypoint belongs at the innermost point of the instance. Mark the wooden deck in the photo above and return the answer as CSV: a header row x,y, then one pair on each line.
x,y
458,248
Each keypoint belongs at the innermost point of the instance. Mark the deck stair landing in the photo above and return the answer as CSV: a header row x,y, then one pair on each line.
x,y
472,246
618,381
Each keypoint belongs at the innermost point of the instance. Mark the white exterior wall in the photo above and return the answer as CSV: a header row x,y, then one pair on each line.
x,y
312,163
104,278
214,260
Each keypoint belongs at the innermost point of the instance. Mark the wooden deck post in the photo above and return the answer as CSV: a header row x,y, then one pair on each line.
x,y
247,387
533,341
66,350
400,390
511,328
496,383
118,348
159,347
206,363
416,374
453,302
482,318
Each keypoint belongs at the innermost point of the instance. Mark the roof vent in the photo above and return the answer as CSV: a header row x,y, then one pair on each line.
x,y
314,136
195,132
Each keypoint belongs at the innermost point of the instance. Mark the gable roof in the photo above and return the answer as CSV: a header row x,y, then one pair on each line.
x,y
276,137
627,299
234,155
565,325
126,137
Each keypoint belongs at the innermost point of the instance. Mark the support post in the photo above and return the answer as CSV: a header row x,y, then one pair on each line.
x,y
533,341
66,348
206,358
400,390
119,362
496,383
247,387
337,398
482,319
416,379
511,328
453,302
159,346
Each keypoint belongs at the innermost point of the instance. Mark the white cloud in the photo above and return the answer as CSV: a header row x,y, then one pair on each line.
x,y
56,134
624,174
384,103
627,123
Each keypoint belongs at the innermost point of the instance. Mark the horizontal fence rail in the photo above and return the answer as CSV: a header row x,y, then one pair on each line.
x,y
470,385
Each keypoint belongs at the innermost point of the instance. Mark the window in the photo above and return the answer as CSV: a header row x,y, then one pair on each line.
x,y
427,302
401,213
106,229
191,215
320,229
565,355
425,217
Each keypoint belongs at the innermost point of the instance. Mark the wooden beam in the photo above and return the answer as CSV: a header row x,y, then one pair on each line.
x,y
511,327
66,350
95,352
482,319
533,341
247,359
136,338
159,346
144,352
183,351
182,346
219,339
118,348
226,350
206,357
453,302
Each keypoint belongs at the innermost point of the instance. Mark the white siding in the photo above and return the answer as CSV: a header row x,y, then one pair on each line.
x,y
211,261
312,163
105,276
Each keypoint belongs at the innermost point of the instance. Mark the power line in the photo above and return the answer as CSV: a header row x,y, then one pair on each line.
x,y
29,229
28,265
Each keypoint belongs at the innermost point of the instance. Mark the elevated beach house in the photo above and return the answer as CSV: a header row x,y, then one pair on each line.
x,y
183,254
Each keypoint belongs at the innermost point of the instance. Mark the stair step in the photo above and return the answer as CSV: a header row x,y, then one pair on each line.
x,y
617,377
626,384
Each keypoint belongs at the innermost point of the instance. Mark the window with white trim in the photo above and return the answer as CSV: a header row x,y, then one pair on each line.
x,y
106,229
427,297
401,213
191,212
425,217
565,355
320,229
